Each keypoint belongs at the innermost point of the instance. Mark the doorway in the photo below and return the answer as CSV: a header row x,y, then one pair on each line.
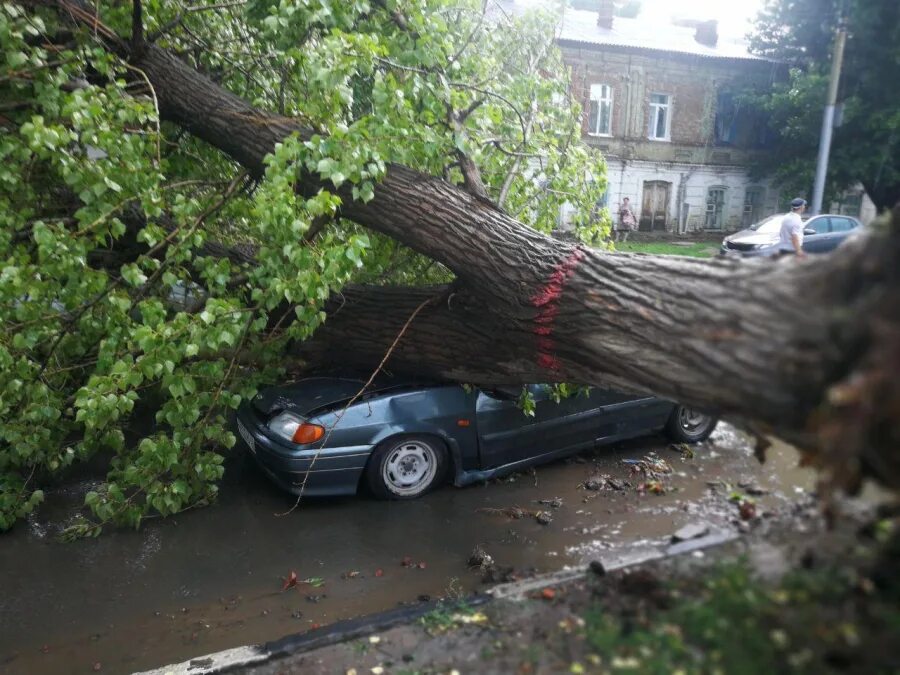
x,y
655,205
715,208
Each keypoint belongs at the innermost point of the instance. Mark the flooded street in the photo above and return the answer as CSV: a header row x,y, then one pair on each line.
x,y
212,578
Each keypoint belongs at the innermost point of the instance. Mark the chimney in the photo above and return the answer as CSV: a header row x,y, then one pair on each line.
x,y
605,11
707,33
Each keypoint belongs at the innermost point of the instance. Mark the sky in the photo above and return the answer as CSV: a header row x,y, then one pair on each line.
x,y
734,16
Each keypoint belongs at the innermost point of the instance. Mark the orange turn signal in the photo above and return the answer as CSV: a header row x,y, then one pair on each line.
x,y
308,433
462,423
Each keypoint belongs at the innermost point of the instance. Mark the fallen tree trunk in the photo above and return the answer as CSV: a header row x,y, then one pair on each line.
x,y
790,346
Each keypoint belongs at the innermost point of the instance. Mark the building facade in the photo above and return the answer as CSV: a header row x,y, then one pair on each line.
x,y
661,100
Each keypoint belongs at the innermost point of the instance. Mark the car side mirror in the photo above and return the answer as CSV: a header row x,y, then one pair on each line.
x,y
809,230
502,394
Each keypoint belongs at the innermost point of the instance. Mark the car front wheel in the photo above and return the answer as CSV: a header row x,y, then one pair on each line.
x,y
687,425
406,468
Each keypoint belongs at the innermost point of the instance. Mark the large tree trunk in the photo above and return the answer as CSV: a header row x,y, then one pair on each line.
x,y
782,344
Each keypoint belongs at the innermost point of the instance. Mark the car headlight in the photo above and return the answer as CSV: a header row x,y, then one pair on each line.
x,y
294,428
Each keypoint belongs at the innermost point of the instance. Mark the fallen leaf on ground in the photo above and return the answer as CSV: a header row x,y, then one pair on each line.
x,y
747,510
548,594
477,617
291,581
379,572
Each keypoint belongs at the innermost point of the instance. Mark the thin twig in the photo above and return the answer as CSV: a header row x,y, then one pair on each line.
x,y
353,400
155,106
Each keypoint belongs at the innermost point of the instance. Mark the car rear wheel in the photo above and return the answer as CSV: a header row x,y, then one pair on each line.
x,y
687,425
406,468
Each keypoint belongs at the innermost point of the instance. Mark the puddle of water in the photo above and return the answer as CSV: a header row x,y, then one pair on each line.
x,y
212,579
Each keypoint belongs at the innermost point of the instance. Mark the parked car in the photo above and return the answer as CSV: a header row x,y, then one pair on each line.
x,y
402,438
821,234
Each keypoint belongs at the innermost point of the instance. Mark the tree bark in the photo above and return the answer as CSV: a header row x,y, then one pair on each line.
x,y
796,347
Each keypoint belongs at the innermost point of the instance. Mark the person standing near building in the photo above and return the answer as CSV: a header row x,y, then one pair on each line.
x,y
790,238
627,221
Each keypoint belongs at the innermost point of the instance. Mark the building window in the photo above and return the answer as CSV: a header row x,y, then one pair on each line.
x,y
660,113
600,118
753,205
726,119
850,205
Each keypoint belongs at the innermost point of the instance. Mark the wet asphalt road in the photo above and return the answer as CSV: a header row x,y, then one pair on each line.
x,y
211,579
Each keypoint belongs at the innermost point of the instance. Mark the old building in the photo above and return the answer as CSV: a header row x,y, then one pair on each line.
x,y
661,101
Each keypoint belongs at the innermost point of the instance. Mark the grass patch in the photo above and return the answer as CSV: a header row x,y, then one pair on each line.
x,y
813,622
700,249
448,616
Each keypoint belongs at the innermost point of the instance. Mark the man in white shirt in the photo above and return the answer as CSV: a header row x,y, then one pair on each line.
x,y
790,238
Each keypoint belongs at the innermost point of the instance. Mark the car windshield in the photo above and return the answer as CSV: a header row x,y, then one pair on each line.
x,y
769,225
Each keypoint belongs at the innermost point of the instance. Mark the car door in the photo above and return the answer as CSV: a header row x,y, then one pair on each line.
x,y
575,421
507,435
815,234
841,228
505,432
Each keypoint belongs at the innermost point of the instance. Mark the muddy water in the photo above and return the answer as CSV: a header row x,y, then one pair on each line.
x,y
212,579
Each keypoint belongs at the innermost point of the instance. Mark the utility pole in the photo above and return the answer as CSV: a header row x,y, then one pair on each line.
x,y
828,117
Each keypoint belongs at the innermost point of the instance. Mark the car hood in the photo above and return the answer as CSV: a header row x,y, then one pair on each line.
x,y
306,395
752,237
315,394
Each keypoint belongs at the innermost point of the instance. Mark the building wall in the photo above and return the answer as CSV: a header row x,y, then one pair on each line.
x,y
691,161
690,185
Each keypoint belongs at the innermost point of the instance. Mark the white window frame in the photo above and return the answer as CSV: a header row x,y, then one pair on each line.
x,y
655,109
601,94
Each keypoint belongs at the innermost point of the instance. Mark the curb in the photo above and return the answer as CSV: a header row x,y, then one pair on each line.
x,y
349,629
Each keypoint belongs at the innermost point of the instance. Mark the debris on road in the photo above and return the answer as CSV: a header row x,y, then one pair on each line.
x,y
690,531
480,559
290,581
685,450
747,509
543,517
651,467
603,481
555,503
512,512
751,487
654,486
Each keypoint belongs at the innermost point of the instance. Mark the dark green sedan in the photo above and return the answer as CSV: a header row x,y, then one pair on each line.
x,y
328,435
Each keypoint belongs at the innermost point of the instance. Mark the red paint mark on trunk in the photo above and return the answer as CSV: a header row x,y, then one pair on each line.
x,y
546,300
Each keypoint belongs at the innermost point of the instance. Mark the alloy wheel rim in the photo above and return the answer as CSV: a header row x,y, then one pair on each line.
x,y
409,468
691,420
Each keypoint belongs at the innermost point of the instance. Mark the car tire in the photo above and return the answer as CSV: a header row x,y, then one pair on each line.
x,y
687,425
406,467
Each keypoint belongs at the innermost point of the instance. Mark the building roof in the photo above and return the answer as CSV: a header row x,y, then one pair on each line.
x,y
646,33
